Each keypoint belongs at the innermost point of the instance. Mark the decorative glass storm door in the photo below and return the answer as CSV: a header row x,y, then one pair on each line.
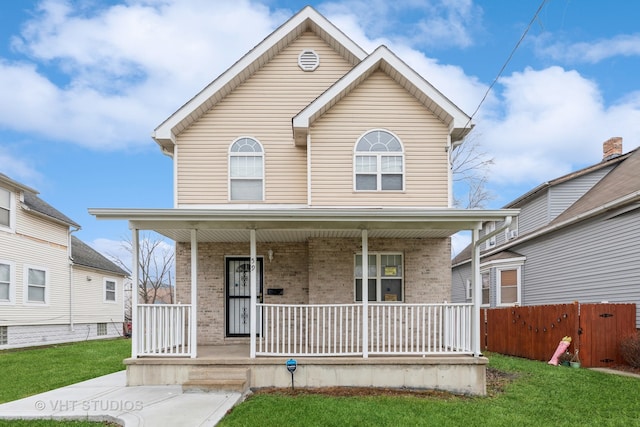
x,y
239,296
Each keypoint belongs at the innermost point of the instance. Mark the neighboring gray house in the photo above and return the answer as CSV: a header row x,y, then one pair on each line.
x,y
53,287
577,239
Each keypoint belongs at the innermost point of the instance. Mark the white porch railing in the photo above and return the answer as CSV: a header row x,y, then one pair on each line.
x,y
163,330
336,329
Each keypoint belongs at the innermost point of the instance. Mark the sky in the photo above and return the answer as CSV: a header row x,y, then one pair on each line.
x,y
83,83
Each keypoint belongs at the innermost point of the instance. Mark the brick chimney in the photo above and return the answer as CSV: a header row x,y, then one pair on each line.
x,y
611,148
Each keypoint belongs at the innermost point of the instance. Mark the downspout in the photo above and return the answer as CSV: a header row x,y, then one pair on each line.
x,y
309,169
70,254
477,281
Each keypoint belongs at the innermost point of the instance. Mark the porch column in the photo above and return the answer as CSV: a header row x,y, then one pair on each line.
x,y
193,324
135,253
253,295
477,293
365,294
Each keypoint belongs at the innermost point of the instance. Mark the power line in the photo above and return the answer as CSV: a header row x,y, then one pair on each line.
x,y
535,17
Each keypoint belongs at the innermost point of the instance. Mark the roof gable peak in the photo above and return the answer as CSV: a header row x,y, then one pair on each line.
x,y
308,19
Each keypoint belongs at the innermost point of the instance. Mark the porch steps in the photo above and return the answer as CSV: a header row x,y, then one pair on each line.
x,y
209,379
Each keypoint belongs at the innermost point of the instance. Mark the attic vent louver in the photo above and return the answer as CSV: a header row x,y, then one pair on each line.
x,y
308,60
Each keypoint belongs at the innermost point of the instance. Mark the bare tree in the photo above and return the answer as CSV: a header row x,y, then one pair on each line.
x,y
470,168
155,276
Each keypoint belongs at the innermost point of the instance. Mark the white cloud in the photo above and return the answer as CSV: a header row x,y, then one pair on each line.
x,y
17,169
552,120
117,71
590,52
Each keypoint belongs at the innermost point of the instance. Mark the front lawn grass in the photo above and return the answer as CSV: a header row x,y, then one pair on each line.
x,y
26,372
539,395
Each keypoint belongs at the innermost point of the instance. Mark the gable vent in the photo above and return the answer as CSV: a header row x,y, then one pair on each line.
x,y
308,60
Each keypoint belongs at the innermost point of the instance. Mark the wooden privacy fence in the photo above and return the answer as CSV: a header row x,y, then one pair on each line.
x,y
533,332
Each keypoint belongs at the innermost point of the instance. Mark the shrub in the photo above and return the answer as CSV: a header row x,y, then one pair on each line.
x,y
630,350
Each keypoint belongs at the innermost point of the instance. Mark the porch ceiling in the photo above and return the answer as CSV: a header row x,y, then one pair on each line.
x,y
293,225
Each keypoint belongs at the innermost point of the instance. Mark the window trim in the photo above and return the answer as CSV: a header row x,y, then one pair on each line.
x,y
499,269
231,154
25,295
378,155
104,290
12,283
379,276
11,228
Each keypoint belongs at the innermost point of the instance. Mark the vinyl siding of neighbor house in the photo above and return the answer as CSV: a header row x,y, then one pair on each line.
x,y
597,260
89,304
534,214
262,108
459,283
40,244
565,194
379,103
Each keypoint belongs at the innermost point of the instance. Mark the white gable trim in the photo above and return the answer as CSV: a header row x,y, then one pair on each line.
x,y
308,19
383,59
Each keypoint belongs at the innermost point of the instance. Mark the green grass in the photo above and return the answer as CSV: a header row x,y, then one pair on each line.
x,y
26,372
540,395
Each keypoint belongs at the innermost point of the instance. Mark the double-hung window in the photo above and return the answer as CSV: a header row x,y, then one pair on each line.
x,y
508,285
109,290
6,282
378,162
246,170
5,209
36,285
385,277
486,287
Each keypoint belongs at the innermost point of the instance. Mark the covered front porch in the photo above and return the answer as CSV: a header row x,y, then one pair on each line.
x,y
410,338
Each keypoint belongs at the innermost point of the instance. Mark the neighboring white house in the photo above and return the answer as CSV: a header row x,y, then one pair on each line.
x,y
53,287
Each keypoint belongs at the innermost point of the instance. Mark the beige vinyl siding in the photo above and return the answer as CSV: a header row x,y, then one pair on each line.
x,y
379,102
35,226
27,251
262,108
88,299
41,244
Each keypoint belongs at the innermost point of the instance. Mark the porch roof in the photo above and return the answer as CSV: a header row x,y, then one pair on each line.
x,y
300,224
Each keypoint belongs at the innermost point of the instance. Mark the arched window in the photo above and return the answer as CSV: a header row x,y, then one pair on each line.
x,y
246,170
379,162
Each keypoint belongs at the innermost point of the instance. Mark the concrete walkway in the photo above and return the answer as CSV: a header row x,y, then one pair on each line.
x,y
108,399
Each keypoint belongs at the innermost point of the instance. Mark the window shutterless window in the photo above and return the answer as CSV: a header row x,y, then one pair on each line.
x,y
101,329
486,285
4,335
246,170
5,282
109,291
385,277
5,208
36,285
509,281
378,162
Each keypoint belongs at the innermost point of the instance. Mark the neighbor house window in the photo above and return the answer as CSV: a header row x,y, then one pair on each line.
x,y
385,277
246,170
36,284
109,291
5,208
486,285
508,286
101,329
6,282
490,228
4,335
378,162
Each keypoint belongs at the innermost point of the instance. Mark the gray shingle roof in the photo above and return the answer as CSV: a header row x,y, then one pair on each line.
x,y
86,256
36,204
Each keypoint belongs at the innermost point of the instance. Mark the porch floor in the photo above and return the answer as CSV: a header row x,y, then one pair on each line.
x,y
456,373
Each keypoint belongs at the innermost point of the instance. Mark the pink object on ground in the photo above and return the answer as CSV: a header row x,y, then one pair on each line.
x,y
562,347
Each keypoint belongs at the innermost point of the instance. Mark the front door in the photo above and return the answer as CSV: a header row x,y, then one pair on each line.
x,y
238,292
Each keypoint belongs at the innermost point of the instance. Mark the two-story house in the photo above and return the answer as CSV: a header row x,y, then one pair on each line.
x,y
577,238
54,288
312,219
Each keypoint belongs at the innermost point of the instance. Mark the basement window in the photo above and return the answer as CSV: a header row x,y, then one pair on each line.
x,y
4,336
102,329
